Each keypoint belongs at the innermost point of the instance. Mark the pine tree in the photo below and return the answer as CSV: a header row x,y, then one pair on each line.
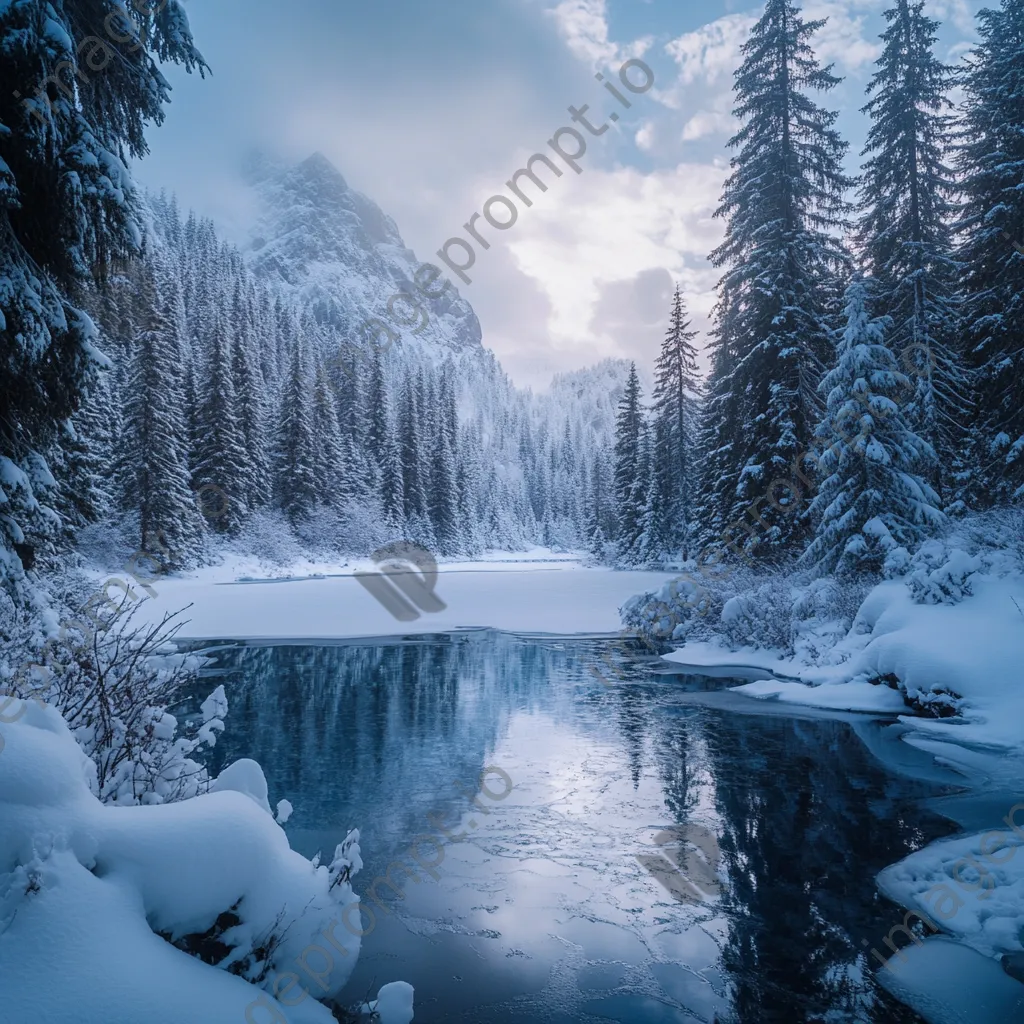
x,y
155,436
659,523
783,203
906,199
443,494
72,112
221,458
296,486
249,390
328,455
675,389
991,162
630,487
413,483
873,495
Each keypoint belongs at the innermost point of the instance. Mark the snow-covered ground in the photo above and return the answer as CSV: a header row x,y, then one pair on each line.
x,y
967,656
535,592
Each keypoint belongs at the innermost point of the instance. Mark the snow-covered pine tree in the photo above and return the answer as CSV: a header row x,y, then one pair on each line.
x,y
599,522
783,203
470,484
250,391
72,113
991,163
443,494
629,486
81,460
675,393
154,443
409,441
907,208
874,495
377,420
221,457
328,456
296,487
658,533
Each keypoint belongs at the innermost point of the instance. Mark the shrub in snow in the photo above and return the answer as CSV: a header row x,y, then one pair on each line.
x,y
824,611
682,608
354,528
941,576
762,617
113,685
268,536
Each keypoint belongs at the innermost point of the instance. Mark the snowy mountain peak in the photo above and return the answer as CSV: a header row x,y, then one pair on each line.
x,y
336,252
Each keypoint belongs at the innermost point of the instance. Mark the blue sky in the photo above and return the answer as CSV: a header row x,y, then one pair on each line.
x,y
429,108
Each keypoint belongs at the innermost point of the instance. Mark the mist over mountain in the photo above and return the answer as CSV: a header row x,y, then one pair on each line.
x,y
332,250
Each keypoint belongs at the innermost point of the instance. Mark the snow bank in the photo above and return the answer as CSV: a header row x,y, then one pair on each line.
x,y
962,663
837,697
970,886
92,897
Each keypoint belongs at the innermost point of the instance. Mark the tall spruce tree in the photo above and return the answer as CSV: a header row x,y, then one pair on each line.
x,y
414,491
329,448
783,203
675,390
155,440
221,458
443,493
73,111
905,229
874,495
991,162
296,486
250,391
630,486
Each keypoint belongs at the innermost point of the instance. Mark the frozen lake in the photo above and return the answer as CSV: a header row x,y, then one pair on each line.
x,y
558,905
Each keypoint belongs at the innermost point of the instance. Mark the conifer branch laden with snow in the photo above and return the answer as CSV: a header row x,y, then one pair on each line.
x,y
68,208
874,496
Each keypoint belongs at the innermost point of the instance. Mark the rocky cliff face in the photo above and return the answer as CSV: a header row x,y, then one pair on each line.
x,y
340,255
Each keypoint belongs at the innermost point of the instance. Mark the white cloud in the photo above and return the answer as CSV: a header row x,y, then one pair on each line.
x,y
584,26
709,122
844,39
959,12
711,52
644,138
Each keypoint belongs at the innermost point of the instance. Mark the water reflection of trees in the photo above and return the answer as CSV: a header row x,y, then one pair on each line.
x,y
808,819
375,736
336,726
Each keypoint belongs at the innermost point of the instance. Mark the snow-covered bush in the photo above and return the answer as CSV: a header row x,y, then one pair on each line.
x,y
824,611
354,529
267,535
112,681
762,617
947,582
681,609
